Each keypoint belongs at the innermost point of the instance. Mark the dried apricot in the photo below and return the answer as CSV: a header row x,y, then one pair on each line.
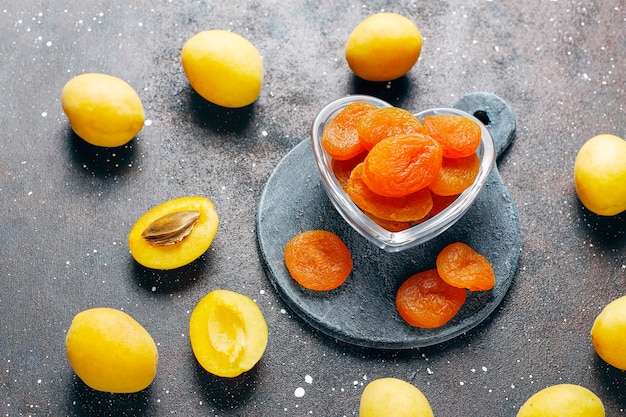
x,y
455,175
458,135
343,169
390,225
318,260
461,266
427,301
411,207
401,165
440,203
385,122
340,138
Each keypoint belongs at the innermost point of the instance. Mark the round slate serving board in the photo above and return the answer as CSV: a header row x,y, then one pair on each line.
x,y
362,311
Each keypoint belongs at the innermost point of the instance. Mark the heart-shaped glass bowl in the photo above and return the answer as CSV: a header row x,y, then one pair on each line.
x,y
419,233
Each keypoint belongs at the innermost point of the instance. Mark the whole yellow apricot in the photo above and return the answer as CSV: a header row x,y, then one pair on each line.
x,y
174,233
393,397
110,351
228,333
562,400
600,174
223,67
102,109
383,47
608,333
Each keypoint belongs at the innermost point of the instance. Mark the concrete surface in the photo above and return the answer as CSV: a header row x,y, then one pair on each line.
x,y
67,207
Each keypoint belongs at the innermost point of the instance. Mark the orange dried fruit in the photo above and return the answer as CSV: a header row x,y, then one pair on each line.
x,y
440,203
458,135
411,207
343,169
455,175
390,225
386,122
401,165
318,260
461,266
340,138
427,301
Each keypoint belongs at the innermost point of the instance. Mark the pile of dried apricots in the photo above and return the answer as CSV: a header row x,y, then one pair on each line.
x,y
396,169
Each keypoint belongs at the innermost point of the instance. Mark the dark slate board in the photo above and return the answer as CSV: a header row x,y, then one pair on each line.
x,y
362,311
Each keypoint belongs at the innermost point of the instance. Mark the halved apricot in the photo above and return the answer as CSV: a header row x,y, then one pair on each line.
x,y
174,233
228,333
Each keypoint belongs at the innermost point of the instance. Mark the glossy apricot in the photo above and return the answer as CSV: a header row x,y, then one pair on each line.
x,y
461,266
340,138
110,351
455,175
401,165
386,122
425,300
181,253
459,136
318,260
412,207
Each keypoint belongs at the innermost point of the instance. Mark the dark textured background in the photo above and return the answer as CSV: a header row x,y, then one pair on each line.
x,y
66,208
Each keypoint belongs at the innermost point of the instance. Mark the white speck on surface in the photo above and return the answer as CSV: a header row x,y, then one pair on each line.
x,y
429,371
264,133
308,379
44,114
147,122
299,392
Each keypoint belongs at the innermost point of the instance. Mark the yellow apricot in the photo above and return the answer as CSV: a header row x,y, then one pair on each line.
x,y
600,174
383,47
175,252
223,67
562,400
102,109
608,333
110,351
393,397
228,333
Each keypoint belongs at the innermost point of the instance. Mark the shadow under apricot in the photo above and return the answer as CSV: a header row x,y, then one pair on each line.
x,y
226,393
167,281
85,401
393,92
99,161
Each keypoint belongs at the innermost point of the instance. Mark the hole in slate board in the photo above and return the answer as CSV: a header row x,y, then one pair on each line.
x,y
482,116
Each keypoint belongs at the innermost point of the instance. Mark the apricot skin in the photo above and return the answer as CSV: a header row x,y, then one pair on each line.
x,y
608,333
102,109
393,397
110,351
228,333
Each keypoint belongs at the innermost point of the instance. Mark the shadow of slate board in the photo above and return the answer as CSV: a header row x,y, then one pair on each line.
x,y
362,311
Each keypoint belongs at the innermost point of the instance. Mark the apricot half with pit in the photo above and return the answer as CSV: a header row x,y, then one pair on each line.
x,y
228,333
174,233
110,351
